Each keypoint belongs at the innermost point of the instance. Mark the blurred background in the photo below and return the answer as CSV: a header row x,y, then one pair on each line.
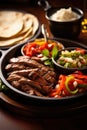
x,y
82,4
78,3
32,4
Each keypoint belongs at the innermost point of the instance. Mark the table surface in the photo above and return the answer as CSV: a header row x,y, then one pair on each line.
x,y
9,120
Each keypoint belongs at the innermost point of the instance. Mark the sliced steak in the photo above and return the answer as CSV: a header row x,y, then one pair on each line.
x,y
30,75
24,72
13,67
30,90
26,61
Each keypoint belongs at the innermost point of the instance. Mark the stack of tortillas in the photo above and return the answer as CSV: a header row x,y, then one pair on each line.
x,y
16,27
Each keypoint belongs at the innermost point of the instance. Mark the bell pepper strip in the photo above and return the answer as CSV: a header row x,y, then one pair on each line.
x,y
44,46
70,85
79,81
82,85
57,91
61,88
68,79
80,78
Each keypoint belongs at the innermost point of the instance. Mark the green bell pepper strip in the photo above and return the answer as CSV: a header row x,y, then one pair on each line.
x,y
82,85
68,79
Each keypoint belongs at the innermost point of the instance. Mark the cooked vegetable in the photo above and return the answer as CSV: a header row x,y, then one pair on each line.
x,y
68,79
2,86
70,85
40,48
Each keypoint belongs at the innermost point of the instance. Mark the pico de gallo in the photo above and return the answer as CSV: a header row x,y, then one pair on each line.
x,y
73,58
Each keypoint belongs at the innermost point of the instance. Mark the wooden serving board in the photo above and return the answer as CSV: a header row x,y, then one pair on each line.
x,y
34,111
12,105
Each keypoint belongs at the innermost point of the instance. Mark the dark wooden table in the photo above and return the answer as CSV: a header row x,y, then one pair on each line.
x,y
11,121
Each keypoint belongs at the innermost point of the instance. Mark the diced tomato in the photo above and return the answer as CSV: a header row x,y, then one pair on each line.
x,y
33,50
29,53
30,49
82,51
50,47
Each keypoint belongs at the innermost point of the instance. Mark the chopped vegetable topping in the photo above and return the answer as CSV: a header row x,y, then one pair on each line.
x,y
73,59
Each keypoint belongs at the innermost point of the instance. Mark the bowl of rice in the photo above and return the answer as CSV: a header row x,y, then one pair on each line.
x,y
65,22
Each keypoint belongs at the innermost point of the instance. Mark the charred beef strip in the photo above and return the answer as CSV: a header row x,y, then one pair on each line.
x,y
36,78
32,91
24,72
17,59
40,84
27,61
13,77
36,85
13,67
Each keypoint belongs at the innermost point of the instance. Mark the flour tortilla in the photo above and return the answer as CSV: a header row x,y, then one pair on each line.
x,y
27,24
10,42
10,16
10,29
35,22
10,24
17,27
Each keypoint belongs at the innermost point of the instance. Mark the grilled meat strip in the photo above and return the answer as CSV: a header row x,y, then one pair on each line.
x,y
30,75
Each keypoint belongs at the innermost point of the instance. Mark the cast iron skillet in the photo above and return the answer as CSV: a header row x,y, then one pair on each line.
x,y
36,100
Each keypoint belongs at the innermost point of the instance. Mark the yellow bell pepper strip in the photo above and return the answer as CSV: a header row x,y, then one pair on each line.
x,y
68,79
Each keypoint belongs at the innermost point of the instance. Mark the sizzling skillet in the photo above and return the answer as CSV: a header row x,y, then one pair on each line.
x,y
36,100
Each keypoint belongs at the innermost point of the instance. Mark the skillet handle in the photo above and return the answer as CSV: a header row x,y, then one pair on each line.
x,y
44,4
2,53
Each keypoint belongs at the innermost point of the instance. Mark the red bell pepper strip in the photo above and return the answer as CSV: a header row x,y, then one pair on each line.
x,y
57,91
